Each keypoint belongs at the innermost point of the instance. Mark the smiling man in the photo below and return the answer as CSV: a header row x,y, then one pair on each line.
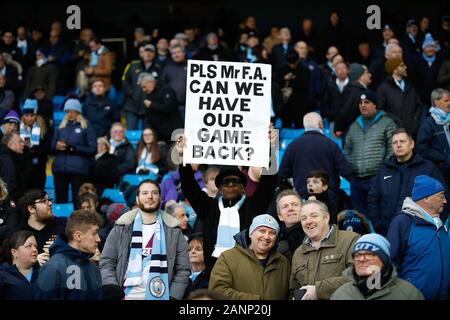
x,y
252,270
395,180
145,256
420,243
318,263
291,234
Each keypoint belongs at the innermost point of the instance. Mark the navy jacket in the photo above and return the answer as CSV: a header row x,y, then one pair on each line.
x,y
69,266
314,151
432,143
420,251
13,284
101,113
393,183
82,145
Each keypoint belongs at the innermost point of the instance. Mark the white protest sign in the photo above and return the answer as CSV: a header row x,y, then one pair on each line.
x,y
227,113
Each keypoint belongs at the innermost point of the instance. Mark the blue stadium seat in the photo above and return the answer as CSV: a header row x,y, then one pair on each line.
x,y
277,124
57,117
62,209
49,183
291,133
57,102
345,185
135,179
133,136
115,195
284,142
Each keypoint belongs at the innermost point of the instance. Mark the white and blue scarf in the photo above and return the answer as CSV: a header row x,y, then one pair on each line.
x,y
442,119
229,225
95,55
429,60
34,133
157,287
144,164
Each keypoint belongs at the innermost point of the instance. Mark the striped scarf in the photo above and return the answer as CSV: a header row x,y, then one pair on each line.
x,y
157,287
229,225
34,133
144,164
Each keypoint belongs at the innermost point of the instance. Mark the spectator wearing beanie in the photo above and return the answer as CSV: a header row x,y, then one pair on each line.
x,y
420,244
10,123
74,144
372,261
112,212
360,79
367,145
398,98
252,270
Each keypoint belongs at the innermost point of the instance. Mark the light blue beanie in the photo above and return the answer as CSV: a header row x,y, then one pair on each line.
x,y
72,104
264,220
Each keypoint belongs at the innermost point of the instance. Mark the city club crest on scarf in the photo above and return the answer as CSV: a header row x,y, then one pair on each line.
x,y
157,287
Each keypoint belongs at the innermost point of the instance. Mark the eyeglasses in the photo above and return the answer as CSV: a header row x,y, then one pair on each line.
x,y
233,181
44,201
366,255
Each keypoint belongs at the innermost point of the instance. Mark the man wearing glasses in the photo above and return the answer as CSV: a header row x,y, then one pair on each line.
x,y
232,211
373,276
420,243
36,216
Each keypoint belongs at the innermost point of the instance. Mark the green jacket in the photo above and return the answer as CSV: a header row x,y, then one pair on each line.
x,y
239,275
394,289
323,267
368,145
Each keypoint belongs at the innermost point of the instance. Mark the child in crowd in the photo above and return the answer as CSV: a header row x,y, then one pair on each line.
x,y
317,184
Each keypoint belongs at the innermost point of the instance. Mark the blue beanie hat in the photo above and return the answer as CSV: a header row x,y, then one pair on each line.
x,y
264,220
30,106
375,243
72,104
425,186
428,41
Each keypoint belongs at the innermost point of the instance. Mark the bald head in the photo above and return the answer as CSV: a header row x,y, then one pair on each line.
x,y
312,120
393,51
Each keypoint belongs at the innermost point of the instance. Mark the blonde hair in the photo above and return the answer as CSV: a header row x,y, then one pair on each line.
x,y
3,190
105,141
41,123
83,122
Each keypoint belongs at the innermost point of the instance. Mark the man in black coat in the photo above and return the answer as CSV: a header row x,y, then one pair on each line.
x,y
161,104
99,110
360,78
231,184
15,167
213,51
279,52
333,97
398,98
395,180
314,151
122,149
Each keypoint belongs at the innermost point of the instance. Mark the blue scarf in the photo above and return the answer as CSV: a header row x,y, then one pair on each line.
x,y
229,225
147,165
250,56
158,279
440,117
429,60
34,133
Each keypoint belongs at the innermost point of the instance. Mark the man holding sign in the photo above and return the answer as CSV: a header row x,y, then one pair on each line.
x,y
227,114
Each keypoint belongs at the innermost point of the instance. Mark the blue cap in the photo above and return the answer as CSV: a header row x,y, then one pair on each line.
x,y
375,243
30,106
425,186
264,220
72,104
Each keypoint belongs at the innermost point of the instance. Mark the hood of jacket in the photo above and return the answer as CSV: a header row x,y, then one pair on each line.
x,y
128,218
62,246
413,209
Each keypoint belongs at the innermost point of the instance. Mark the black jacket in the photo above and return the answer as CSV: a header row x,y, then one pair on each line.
x,y
125,155
332,100
424,77
393,183
404,107
14,285
208,211
200,282
9,217
101,113
104,172
163,114
350,109
289,239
